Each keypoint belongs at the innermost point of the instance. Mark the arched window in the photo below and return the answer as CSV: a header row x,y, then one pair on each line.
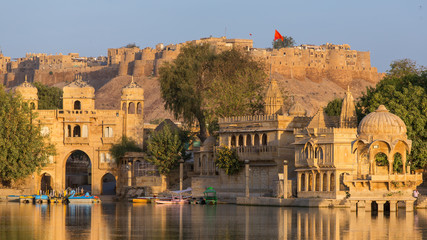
x,y
332,185
256,140
381,159
325,182
131,109
233,141
264,139
76,131
248,140
77,105
397,163
321,154
139,108
240,140
32,106
310,182
124,107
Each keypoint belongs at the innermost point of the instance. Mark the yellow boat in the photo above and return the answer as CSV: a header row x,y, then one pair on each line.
x,y
142,200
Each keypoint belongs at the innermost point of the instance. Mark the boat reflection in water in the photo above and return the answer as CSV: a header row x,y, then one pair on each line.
x,y
125,221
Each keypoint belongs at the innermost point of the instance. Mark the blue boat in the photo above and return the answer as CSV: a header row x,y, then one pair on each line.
x,y
41,198
87,198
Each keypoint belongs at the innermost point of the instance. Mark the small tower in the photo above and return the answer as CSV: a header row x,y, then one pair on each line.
x,y
78,95
132,104
28,93
273,99
348,118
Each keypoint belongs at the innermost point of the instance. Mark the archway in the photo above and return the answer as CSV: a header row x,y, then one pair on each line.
x,y
45,183
397,163
77,105
108,183
78,171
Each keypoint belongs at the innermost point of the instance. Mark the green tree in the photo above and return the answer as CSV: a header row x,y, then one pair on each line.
x,y
23,150
228,160
334,107
406,97
287,42
125,145
402,67
164,149
131,45
201,85
49,97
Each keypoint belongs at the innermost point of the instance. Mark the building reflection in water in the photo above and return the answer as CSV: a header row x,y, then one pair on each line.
x,y
126,221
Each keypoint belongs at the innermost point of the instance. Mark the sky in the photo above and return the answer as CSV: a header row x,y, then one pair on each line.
x,y
389,29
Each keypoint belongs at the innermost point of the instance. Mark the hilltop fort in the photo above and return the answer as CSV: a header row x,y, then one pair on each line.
x,y
323,72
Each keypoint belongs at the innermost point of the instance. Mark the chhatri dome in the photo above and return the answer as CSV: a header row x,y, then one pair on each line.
x,y
132,91
27,90
297,110
382,124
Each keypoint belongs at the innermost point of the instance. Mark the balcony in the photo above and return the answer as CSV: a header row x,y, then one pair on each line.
x,y
263,152
76,140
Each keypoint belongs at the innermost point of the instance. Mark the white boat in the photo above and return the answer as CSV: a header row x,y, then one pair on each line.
x,y
177,198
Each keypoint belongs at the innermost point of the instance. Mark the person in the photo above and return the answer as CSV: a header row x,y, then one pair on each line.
x,y
416,193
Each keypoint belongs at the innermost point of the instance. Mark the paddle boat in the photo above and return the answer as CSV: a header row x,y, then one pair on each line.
x,y
26,198
87,198
177,198
41,198
210,196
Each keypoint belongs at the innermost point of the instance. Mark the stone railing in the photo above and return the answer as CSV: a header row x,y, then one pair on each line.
x,y
254,118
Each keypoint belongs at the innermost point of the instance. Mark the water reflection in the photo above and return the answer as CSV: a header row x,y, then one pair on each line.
x,y
126,221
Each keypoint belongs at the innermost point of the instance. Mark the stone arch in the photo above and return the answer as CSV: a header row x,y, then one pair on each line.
x,y
310,182
108,184
256,140
139,108
240,140
46,182
76,131
233,141
131,108
371,146
264,139
78,170
124,108
248,140
77,105
397,163
332,184
302,184
381,163
320,153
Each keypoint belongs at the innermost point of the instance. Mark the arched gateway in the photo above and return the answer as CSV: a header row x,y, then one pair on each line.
x,y
78,171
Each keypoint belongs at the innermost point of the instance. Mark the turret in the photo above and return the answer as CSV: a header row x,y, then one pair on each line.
x,y
348,118
28,93
273,99
78,95
132,104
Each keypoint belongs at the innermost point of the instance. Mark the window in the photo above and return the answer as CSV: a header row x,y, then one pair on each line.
x,y
76,131
108,132
77,105
264,139
139,108
131,108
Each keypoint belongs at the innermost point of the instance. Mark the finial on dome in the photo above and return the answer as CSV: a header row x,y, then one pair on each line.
x,y
381,108
132,80
25,78
348,88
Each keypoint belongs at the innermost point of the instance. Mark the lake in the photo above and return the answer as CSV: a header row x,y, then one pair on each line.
x,y
224,221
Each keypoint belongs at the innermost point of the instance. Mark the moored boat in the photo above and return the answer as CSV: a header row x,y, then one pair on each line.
x,y
177,198
87,198
210,196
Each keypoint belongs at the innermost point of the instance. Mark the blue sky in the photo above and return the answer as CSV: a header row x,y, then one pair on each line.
x,y
389,29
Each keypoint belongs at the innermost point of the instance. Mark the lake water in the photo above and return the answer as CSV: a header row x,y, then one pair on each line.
x,y
224,221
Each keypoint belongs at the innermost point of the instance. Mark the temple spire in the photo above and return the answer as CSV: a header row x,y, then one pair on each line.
x,y
348,118
273,99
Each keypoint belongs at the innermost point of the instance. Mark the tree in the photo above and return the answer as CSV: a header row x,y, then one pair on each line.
x,y
131,45
228,160
23,149
334,107
164,149
287,42
402,67
405,96
201,85
125,145
49,97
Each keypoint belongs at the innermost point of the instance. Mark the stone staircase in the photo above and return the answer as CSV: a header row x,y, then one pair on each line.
x,y
421,201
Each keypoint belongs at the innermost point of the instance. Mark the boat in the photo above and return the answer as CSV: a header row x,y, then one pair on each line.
x,y
26,198
144,199
177,198
87,198
210,196
41,198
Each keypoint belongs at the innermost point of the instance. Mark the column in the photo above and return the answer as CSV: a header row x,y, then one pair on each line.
x,y
328,181
409,206
181,172
368,206
353,206
299,181
314,182
285,179
247,177
306,181
393,206
380,206
321,182
129,168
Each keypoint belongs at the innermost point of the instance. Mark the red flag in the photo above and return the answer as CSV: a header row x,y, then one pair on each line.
x,y
277,35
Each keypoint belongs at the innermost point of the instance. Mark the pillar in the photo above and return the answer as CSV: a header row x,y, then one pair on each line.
x,y
380,206
393,206
409,206
328,182
368,206
314,182
285,179
247,177
181,172
321,182
353,206
299,182
306,181
129,168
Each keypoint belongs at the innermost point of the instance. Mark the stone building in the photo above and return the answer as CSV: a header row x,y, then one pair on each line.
x,y
83,135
